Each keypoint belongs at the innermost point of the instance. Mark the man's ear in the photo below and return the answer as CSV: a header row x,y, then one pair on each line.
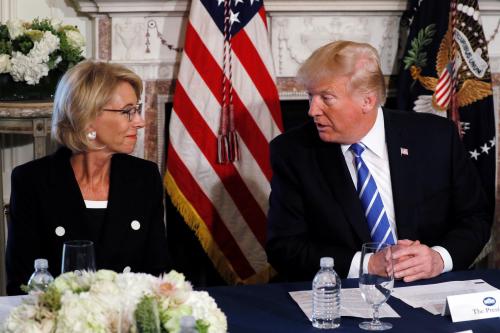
x,y
369,102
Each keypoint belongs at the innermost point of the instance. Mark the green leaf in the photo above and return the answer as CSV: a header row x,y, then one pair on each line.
x,y
22,44
147,316
416,54
202,326
43,25
430,29
5,47
51,298
4,33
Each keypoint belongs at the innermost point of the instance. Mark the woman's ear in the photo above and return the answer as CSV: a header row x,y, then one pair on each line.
x,y
90,132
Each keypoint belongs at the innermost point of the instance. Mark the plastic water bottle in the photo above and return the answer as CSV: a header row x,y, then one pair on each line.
x,y
188,324
41,278
326,296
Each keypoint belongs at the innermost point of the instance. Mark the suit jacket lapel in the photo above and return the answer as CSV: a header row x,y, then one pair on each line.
x,y
119,202
334,169
403,176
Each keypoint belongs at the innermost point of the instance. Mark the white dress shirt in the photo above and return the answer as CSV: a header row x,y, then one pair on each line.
x,y
376,159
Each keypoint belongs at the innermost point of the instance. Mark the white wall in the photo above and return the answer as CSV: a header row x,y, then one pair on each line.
x,y
61,9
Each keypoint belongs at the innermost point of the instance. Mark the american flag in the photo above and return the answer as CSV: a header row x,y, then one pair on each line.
x,y
225,204
442,95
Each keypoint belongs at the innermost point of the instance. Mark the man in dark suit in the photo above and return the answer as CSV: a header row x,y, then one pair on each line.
x,y
431,199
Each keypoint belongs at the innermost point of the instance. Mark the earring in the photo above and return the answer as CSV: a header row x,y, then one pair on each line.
x,y
91,135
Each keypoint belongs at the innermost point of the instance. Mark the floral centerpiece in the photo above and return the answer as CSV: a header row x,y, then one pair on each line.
x,y
34,55
105,301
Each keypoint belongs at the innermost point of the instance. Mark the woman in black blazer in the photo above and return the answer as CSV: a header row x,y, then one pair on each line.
x,y
90,188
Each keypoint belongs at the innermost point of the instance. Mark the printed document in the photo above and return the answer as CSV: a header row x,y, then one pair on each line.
x,y
432,297
352,304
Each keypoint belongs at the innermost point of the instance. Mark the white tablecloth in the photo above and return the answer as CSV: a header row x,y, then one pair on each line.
x,y
7,303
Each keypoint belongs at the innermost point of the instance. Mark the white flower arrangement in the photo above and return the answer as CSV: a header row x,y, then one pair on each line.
x,y
30,50
105,301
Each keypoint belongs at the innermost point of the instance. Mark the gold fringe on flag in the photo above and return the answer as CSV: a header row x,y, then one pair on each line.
x,y
196,223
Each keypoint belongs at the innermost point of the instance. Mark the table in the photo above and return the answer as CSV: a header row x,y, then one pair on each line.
x,y
22,118
28,118
269,308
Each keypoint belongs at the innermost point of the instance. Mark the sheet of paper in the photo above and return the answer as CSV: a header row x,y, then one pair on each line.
x,y
351,305
432,297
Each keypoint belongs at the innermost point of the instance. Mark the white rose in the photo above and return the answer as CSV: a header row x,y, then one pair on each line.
x,y
177,280
105,275
27,69
70,281
47,326
16,28
43,48
21,319
75,39
205,308
81,313
4,63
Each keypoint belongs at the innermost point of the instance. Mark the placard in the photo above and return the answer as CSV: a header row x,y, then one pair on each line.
x,y
474,306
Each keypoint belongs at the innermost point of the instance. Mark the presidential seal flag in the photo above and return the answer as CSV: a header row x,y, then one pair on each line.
x,y
225,112
445,71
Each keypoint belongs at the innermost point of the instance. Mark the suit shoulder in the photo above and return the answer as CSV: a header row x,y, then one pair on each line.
x,y
136,163
296,137
419,120
33,168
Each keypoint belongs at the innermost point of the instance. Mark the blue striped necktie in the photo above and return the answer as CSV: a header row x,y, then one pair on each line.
x,y
378,223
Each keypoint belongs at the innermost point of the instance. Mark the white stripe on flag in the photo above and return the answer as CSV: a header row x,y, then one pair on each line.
x,y
212,187
209,108
251,98
242,82
258,34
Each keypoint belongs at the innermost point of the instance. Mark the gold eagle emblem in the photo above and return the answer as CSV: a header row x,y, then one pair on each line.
x,y
470,89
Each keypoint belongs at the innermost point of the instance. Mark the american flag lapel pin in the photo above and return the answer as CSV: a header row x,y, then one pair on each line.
x,y
404,151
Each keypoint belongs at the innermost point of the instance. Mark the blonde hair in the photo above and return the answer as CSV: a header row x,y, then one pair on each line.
x,y
359,62
81,95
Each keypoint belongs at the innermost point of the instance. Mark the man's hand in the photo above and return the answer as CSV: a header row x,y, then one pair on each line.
x,y
379,263
403,243
416,262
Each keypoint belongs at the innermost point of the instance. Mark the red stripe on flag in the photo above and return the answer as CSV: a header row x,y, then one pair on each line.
x,y
257,70
234,184
443,92
211,73
262,14
206,210
443,80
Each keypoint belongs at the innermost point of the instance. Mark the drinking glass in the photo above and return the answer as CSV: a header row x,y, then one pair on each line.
x,y
376,287
77,256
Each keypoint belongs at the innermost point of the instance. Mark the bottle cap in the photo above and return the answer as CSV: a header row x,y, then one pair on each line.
x,y
41,263
326,262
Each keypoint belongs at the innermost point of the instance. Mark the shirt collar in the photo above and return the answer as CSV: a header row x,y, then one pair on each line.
x,y
374,140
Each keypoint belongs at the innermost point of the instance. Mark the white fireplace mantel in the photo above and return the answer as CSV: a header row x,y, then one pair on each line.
x,y
156,6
